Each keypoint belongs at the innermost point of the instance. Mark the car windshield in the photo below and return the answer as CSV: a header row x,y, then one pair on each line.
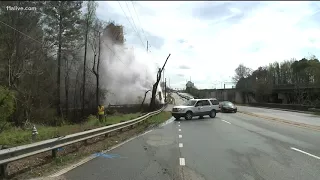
x,y
190,103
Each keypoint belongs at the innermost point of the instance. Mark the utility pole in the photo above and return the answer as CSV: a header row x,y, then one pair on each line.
x,y
147,46
165,90
163,76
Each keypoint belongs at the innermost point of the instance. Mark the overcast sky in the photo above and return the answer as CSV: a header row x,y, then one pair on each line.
x,y
208,40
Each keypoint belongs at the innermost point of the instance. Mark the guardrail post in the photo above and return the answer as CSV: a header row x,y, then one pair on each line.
x,y
54,153
3,171
86,142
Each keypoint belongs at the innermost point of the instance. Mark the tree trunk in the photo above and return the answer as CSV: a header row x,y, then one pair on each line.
x,y
145,95
97,74
59,66
84,68
66,85
155,87
153,97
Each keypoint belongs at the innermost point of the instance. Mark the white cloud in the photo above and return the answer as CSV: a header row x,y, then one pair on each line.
x,y
214,46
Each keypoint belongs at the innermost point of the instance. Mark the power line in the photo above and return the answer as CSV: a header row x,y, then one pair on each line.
x,y
115,54
133,20
20,32
53,43
28,36
139,21
130,22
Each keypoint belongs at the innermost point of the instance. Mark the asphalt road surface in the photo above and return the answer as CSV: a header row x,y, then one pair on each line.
x,y
292,116
232,146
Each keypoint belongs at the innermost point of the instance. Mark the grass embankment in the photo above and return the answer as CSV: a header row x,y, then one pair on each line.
x,y
98,145
316,113
14,136
159,118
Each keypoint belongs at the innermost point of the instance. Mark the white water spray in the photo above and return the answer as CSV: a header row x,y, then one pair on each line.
x,y
125,77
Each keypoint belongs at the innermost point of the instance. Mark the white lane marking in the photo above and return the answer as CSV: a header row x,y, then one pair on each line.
x,y
167,122
226,121
179,129
65,170
180,145
182,162
317,157
180,136
179,125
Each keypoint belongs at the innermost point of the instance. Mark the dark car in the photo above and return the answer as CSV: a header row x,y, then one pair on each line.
x,y
227,106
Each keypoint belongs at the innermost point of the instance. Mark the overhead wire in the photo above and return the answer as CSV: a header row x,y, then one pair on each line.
x,y
131,23
24,33
133,20
52,43
139,21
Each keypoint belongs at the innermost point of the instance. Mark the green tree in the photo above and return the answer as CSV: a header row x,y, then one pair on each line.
x,y
6,106
263,84
61,29
24,58
241,72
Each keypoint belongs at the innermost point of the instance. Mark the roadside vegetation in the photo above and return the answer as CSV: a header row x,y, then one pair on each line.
x,y
160,118
51,69
74,153
298,80
13,136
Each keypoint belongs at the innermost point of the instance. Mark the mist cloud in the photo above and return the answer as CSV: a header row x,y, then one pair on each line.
x,y
124,76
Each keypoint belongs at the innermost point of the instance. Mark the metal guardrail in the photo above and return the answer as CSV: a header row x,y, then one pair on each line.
x,y
20,152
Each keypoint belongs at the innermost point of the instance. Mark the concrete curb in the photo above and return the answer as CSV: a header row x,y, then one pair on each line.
x,y
283,121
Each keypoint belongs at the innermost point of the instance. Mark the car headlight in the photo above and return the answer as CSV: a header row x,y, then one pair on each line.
x,y
180,109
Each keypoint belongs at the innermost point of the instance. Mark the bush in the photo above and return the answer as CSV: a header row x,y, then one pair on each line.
x,y
46,116
6,104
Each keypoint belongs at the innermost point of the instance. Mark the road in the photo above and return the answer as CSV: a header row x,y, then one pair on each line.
x,y
232,146
292,116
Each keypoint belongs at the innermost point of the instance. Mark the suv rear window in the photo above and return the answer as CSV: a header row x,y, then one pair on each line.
x,y
214,102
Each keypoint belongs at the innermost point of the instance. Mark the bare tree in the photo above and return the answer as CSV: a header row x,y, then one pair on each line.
x,y
155,86
145,95
88,18
95,43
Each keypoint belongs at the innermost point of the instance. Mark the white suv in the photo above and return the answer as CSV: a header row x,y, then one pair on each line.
x,y
196,107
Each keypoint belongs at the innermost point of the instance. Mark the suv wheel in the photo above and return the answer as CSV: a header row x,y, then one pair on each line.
x,y
212,114
188,115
